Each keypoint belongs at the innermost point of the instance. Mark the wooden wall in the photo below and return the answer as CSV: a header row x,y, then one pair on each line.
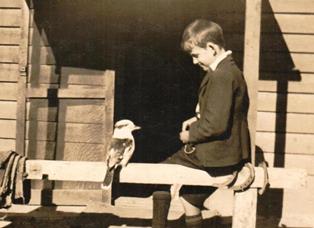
x,y
285,124
10,12
156,83
62,129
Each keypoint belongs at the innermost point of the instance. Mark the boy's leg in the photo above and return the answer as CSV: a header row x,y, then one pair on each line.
x,y
161,204
192,199
193,216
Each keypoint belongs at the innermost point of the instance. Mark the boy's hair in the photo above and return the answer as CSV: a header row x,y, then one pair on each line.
x,y
201,31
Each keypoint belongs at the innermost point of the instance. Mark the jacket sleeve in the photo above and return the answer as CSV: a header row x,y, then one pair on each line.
x,y
216,111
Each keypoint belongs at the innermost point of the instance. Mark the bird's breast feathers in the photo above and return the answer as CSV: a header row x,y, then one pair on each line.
x,y
119,145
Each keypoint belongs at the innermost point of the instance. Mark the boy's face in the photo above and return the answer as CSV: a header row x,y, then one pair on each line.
x,y
203,56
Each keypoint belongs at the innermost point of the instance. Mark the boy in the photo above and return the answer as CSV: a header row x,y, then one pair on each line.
x,y
217,138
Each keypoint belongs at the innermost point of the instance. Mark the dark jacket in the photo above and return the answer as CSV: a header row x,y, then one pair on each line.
x,y
221,135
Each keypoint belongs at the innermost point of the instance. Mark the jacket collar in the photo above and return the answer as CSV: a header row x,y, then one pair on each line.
x,y
210,72
219,59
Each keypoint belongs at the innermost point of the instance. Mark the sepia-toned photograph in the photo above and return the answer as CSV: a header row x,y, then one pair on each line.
x,y
157,113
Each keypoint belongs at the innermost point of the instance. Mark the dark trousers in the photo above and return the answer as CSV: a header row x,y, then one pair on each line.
x,y
196,195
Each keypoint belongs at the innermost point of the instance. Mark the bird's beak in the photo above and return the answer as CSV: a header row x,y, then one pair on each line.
x,y
136,128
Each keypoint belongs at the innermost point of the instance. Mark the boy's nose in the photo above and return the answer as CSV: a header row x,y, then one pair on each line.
x,y
195,61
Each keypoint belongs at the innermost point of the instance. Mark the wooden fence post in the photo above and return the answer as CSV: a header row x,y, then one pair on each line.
x,y
245,203
22,79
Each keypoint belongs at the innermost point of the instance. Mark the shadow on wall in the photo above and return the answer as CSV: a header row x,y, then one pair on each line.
x,y
277,65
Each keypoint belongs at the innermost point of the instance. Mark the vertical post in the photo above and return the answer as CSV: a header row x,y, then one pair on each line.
x,y
108,124
251,62
22,80
244,209
245,203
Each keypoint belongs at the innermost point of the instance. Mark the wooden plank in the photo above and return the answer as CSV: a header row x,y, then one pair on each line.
x,y
9,35
7,144
35,149
109,106
82,76
293,143
288,23
244,209
72,92
21,111
66,197
41,110
299,202
108,122
75,111
9,126
34,130
10,17
7,110
75,132
287,42
21,82
82,111
40,74
291,161
276,42
39,149
296,103
154,174
10,4
251,62
37,109
288,6
41,130
9,54
9,72
281,122
41,55
281,62
38,38
83,152
292,86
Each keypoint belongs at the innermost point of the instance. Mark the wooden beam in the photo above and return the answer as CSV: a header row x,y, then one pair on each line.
x,y
67,93
246,202
150,173
251,61
10,17
244,209
21,99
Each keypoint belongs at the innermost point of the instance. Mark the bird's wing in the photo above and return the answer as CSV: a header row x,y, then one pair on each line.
x,y
116,151
128,153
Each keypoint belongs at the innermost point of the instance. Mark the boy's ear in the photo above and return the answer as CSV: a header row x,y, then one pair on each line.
x,y
213,47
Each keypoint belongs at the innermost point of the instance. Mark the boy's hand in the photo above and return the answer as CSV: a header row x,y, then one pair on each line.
x,y
184,136
186,124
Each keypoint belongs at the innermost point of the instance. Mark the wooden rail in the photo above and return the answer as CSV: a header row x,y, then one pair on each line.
x,y
150,173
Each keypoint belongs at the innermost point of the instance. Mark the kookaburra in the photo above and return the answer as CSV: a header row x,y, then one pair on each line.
x,y
121,148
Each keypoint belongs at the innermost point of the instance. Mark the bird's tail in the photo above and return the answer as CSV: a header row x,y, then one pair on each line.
x,y
107,182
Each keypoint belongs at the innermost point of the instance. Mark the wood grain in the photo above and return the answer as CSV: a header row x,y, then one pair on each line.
x,y
10,3
9,35
288,6
296,103
10,17
294,143
9,54
285,123
9,72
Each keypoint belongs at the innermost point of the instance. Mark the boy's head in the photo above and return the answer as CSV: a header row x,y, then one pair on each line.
x,y
204,40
